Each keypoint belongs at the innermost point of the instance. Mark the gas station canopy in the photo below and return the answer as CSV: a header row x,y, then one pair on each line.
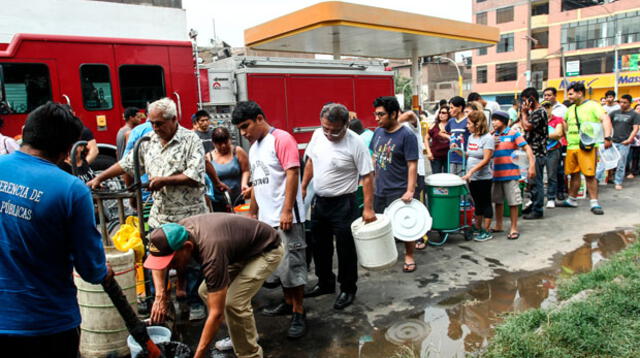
x,y
340,28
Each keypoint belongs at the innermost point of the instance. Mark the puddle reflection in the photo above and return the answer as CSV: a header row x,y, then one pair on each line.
x,y
465,322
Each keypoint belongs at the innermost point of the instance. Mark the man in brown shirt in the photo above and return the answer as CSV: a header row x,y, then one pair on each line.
x,y
237,254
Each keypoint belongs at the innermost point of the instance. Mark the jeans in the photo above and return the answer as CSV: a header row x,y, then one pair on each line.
x,y
537,190
634,157
553,158
622,163
561,177
438,166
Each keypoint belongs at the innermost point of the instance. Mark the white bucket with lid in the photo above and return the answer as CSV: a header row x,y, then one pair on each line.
x,y
375,245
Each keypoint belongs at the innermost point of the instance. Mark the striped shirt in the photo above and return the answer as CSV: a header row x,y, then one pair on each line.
x,y
506,142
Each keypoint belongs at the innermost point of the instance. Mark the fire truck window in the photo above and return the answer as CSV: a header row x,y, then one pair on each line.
x,y
141,84
25,86
96,87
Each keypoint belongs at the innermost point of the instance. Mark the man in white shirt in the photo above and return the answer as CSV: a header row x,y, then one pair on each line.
x,y
337,159
557,109
609,102
490,105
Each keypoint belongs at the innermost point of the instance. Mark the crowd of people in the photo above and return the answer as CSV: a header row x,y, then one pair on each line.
x,y
196,176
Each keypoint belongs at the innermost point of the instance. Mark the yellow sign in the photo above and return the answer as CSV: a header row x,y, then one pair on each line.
x,y
101,120
598,81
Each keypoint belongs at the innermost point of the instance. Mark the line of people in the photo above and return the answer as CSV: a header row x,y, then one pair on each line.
x,y
234,254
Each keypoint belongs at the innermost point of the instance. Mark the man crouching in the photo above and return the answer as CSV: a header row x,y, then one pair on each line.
x,y
236,253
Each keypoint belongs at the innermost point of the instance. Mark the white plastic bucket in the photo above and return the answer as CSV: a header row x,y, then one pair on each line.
x,y
609,157
375,245
158,334
104,333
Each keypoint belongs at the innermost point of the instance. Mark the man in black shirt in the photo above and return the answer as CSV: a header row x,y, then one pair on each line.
x,y
536,126
625,127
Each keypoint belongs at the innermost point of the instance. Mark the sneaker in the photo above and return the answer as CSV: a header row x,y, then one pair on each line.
x,y
197,312
483,236
551,204
224,344
567,204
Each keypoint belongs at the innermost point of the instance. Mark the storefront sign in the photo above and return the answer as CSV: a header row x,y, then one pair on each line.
x,y
599,81
573,68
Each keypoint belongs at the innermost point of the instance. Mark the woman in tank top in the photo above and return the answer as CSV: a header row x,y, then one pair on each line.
x,y
232,166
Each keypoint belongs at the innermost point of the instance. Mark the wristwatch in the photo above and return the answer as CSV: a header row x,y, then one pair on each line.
x,y
607,138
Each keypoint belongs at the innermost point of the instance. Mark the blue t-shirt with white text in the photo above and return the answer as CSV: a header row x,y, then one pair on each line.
x,y
47,228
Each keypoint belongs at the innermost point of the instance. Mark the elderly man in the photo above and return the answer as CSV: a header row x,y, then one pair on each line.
x,y
237,254
334,205
276,199
174,161
47,229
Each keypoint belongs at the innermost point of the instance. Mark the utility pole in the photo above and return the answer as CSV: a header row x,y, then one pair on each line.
x,y
528,43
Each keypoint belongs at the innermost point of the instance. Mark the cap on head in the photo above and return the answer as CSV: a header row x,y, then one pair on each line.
x,y
163,244
501,116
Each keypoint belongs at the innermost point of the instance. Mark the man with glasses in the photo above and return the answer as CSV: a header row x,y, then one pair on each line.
x,y
395,154
334,205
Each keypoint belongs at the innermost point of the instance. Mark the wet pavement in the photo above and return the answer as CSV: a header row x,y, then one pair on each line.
x,y
460,292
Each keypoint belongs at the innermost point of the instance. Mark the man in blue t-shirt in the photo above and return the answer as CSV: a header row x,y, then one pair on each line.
x,y
47,229
395,154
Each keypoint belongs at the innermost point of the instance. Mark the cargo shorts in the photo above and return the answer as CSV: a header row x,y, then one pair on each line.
x,y
508,190
292,270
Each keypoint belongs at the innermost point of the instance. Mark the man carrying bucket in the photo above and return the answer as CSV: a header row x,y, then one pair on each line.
x,y
47,229
395,154
237,254
334,205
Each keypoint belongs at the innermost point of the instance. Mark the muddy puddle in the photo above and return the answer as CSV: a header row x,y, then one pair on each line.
x,y
464,322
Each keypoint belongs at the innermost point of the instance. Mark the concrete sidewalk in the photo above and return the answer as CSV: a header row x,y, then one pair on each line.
x,y
386,296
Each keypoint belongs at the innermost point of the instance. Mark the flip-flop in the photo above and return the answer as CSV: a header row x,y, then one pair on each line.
x,y
420,244
513,236
409,267
495,231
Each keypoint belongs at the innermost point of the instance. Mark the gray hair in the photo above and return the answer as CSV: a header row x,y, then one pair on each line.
x,y
335,112
165,105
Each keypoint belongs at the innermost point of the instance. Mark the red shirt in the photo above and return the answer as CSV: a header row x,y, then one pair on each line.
x,y
439,145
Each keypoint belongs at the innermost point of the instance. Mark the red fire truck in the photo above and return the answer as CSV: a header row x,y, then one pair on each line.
x,y
100,77
97,77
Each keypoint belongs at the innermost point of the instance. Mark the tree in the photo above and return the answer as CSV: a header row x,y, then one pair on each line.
x,y
403,87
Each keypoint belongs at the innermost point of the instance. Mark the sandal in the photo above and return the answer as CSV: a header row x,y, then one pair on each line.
x,y
420,244
409,267
513,236
597,210
493,231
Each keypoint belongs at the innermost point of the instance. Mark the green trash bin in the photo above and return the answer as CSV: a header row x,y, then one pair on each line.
x,y
443,197
505,210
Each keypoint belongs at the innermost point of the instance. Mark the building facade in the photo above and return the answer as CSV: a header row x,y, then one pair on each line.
x,y
581,35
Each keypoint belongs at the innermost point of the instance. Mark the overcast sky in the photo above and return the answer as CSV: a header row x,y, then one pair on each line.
x,y
232,17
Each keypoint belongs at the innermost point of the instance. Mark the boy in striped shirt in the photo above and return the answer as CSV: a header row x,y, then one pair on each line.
x,y
506,173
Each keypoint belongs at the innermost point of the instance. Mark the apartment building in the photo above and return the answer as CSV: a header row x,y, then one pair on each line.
x,y
579,35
